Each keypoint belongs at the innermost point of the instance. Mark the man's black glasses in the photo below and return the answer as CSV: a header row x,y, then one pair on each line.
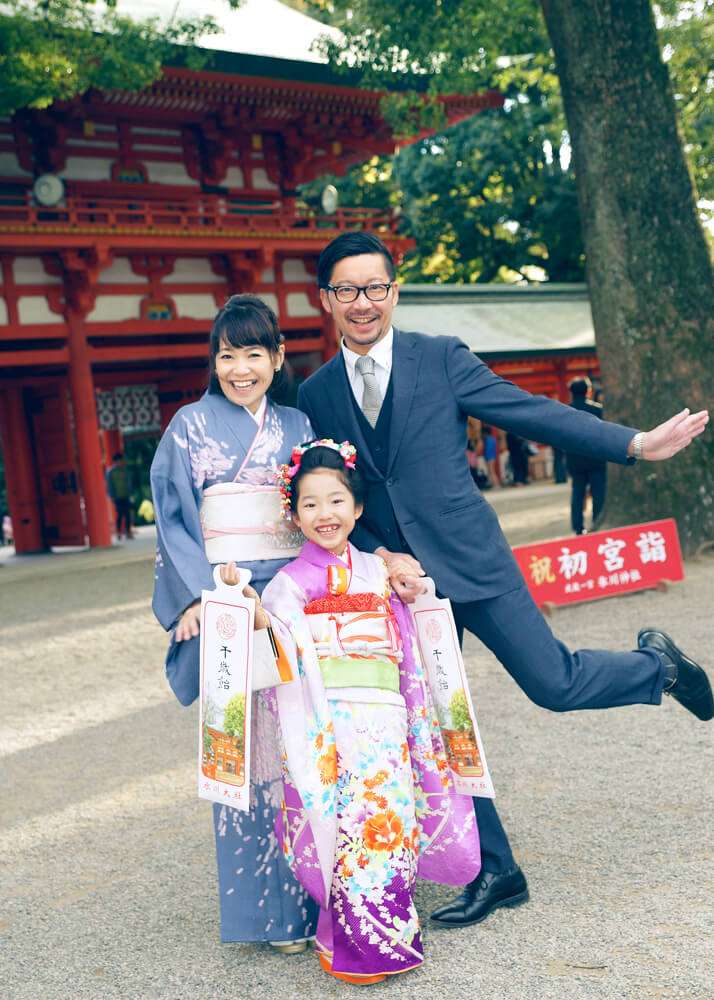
x,y
375,292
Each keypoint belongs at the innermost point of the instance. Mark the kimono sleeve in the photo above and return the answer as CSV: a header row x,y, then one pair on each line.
x,y
182,569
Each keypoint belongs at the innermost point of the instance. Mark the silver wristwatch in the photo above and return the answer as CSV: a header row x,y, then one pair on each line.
x,y
637,444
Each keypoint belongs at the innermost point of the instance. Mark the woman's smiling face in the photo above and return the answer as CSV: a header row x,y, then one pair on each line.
x,y
246,373
326,510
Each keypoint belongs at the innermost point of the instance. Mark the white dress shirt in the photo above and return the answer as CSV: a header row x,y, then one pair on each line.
x,y
381,353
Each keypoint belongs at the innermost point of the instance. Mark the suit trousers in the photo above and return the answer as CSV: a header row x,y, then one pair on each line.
x,y
596,479
552,676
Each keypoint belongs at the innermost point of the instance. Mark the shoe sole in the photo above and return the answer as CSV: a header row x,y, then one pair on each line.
x,y
644,632
509,904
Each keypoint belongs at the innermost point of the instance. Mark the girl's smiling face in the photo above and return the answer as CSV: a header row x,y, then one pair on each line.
x,y
326,510
246,373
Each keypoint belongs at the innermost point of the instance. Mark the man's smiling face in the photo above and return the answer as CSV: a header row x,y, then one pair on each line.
x,y
361,323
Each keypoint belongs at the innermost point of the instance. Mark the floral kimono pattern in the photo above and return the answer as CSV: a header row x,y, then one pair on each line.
x,y
369,801
209,442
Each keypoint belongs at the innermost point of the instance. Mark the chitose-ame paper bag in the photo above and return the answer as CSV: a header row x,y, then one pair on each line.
x,y
441,654
226,682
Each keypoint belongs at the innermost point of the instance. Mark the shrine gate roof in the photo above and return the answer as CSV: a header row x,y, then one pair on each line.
x,y
502,320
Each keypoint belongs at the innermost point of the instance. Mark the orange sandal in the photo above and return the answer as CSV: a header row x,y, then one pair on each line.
x,y
349,977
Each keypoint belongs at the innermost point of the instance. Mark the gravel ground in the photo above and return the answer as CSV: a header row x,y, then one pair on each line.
x,y
108,882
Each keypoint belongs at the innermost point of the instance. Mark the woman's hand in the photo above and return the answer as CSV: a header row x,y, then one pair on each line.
x,y
188,623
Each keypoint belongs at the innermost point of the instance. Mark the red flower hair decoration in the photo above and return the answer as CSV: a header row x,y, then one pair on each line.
x,y
286,473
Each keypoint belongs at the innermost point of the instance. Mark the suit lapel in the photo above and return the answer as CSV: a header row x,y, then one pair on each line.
x,y
406,360
340,396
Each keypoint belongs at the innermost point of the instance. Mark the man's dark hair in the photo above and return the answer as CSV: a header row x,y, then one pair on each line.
x,y
327,458
118,456
579,387
351,245
244,321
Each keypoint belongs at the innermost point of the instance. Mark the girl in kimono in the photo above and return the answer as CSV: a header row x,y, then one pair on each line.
x,y
369,799
215,499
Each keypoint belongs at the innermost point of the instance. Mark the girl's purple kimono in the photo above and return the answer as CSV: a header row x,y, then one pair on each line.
x,y
369,800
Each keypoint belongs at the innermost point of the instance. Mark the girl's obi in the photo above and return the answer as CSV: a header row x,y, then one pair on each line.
x,y
359,672
356,640
242,522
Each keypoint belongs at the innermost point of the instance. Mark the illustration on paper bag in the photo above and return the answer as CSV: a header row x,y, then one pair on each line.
x,y
223,715
461,746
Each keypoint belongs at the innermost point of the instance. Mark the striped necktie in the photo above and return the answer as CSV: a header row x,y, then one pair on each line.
x,y
371,397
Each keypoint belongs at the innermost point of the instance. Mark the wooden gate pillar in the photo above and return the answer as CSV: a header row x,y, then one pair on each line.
x,y
22,487
81,384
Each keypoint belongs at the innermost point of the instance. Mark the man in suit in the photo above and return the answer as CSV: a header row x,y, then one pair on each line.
x,y
403,399
585,472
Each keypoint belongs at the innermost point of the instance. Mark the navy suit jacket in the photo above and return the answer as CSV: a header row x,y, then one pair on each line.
x,y
437,384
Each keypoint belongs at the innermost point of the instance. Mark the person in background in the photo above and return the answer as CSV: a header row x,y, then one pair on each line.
x,y
585,472
490,454
518,452
119,490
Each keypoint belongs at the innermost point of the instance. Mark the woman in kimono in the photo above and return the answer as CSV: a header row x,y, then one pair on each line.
x,y
369,799
215,499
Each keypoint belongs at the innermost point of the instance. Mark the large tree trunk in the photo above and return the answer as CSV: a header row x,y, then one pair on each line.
x,y
648,265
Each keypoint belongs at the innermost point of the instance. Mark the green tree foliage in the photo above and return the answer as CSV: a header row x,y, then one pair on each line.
x,y
234,717
495,198
491,199
687,31
55,50
458,706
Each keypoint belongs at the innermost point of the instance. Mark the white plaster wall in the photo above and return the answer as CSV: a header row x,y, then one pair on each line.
x,y
298,304
167,173
195,306
188,269
294,270
270,300
120,273
268,276
114,308
87,168
261,181
234,178
31,271
3,311
10,167
35,309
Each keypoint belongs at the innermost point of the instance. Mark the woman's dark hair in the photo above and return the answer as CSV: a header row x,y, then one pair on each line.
x,y
321,457
244,321
351,245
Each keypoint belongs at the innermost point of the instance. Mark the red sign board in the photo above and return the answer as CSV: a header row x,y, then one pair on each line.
x,y
605,563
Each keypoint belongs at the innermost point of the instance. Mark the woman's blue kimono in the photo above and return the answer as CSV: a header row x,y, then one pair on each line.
x,y
208,442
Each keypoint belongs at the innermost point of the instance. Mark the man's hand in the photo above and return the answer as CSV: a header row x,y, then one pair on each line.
x,y
188,623
673,435
404,573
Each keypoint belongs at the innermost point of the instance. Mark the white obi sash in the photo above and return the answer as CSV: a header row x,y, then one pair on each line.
x,y
244,523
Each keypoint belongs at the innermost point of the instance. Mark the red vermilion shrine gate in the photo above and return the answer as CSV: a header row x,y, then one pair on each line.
x,y
175,197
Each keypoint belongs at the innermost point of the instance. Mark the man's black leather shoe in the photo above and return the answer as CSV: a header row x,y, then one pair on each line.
x,y
686,681
480,897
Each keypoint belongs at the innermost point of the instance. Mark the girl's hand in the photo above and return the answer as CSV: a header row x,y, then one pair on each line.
x,y
261,620
230,574
188,623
